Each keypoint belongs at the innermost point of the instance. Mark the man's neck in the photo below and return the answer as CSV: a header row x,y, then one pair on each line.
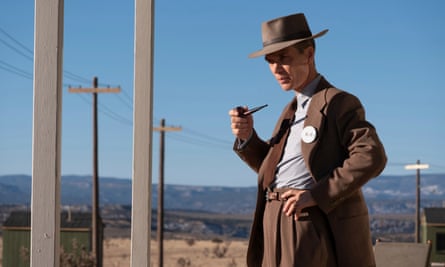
x,y
312,75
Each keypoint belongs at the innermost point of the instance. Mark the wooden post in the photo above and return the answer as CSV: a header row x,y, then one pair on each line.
x,y
47,113
417,237
162,129
96,244
142,134
417,167
160,224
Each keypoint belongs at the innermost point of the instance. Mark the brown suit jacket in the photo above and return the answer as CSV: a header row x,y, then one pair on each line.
x,y
346,154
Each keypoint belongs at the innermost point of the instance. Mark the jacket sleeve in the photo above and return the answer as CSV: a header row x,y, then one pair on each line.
x,y
254,152
364,154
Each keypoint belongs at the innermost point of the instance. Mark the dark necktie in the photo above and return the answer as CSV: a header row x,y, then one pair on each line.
x,y
277,143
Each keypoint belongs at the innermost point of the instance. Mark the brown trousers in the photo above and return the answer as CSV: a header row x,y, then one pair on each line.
x,y
306,242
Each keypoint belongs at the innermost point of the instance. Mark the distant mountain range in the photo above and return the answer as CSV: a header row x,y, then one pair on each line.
x,y
76,190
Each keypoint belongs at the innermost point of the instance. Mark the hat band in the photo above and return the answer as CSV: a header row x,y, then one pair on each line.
x,y
298,35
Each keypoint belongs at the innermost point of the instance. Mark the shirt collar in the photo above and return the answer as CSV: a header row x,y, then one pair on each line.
x,y
308,91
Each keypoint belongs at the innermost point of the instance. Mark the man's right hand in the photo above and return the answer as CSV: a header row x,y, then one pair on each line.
x,y
242,125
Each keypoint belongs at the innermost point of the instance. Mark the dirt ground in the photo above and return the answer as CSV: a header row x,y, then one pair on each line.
x,y
177,253
180,253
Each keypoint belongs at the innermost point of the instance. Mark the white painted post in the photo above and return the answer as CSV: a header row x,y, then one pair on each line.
x,y
142,133
45,202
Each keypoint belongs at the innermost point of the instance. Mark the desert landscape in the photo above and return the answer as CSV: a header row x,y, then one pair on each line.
x,y
187,252
178,252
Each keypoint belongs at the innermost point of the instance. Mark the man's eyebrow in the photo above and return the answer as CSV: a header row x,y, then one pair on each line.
x,y
268,59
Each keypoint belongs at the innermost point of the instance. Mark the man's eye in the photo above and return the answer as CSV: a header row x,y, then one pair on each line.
x,y
278,60
269,60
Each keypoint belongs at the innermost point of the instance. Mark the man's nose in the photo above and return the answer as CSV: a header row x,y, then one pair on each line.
x,y
277,67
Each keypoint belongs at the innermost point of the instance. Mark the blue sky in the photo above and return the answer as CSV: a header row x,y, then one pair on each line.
x,y
388,53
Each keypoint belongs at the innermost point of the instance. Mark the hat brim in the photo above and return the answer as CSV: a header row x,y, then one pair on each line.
x,y
281,45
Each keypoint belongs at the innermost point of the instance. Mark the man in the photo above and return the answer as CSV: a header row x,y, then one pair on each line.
x,y
310,208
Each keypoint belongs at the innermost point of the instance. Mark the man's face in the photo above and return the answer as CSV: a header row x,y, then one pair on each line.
x,y
291,68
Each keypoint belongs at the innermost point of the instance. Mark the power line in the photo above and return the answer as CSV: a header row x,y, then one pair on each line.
x,y
207,137
196,138
30,56
193,137
128,97
16,50
124,102
128,101
76,77
12,69
199,142
67,74
108,112
16,41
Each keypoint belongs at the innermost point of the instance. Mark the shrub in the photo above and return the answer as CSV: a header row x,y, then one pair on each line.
x,y
220,250
190,241
184,262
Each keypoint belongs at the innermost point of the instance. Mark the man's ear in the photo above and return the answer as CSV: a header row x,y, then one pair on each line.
x,y
310,53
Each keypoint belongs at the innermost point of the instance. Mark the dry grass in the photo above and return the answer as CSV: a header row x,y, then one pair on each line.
x,y
180,253
177,253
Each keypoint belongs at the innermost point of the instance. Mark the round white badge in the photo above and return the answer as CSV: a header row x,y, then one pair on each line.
x,y
309,134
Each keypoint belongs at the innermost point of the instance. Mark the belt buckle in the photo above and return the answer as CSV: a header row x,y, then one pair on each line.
x,y
271,196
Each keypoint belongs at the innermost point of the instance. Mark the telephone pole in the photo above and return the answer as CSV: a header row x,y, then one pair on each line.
x,y
96,246
417,167
160,220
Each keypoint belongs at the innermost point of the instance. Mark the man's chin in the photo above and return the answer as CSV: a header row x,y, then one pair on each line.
x,y
286,88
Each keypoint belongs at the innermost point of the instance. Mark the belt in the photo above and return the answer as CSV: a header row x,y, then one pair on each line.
x,y
273,196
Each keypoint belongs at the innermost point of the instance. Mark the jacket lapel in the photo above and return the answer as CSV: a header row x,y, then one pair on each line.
x,y
268,168
316,118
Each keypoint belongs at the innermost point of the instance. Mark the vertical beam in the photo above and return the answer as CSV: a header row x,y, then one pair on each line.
x,y
46,151
142,133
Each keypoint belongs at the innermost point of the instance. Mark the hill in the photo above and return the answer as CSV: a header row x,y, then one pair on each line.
x,y
76,190
209,211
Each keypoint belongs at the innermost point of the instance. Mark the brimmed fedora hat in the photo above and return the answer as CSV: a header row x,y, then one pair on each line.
x,y
283,32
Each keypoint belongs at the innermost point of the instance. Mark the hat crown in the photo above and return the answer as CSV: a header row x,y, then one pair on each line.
x,y
283,32
285,29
